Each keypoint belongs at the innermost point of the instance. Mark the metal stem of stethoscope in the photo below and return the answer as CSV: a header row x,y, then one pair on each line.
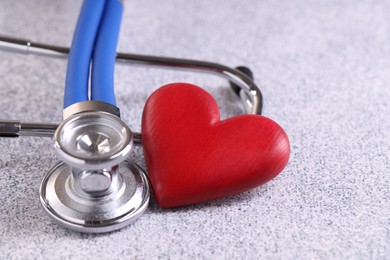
x,y
249,92
14,128
247,89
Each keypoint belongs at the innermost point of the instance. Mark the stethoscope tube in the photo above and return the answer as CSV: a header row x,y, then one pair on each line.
x,y
103,60
78,67
94,43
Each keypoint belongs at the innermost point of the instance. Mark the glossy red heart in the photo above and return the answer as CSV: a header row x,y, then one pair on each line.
x,y
192,156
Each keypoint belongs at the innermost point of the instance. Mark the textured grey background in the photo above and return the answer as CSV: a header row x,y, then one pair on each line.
x,y
324,69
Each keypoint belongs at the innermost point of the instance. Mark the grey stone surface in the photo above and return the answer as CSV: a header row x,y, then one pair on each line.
x,y
324,69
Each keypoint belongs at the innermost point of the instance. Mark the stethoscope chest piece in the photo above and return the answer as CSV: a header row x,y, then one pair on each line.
x,y
95,189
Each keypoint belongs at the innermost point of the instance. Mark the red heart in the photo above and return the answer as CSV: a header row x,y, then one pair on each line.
x,y
192,156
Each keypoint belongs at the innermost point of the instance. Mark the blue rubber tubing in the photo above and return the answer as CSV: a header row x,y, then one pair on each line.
x,y
104,55
77,73
103,61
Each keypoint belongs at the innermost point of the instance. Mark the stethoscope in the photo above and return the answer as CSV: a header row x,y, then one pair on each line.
x,y
96,188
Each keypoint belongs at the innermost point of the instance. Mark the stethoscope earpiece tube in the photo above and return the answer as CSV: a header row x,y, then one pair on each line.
x,y
250,92
77,74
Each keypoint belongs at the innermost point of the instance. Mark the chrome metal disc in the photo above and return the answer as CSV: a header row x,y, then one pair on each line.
x,y
95,214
